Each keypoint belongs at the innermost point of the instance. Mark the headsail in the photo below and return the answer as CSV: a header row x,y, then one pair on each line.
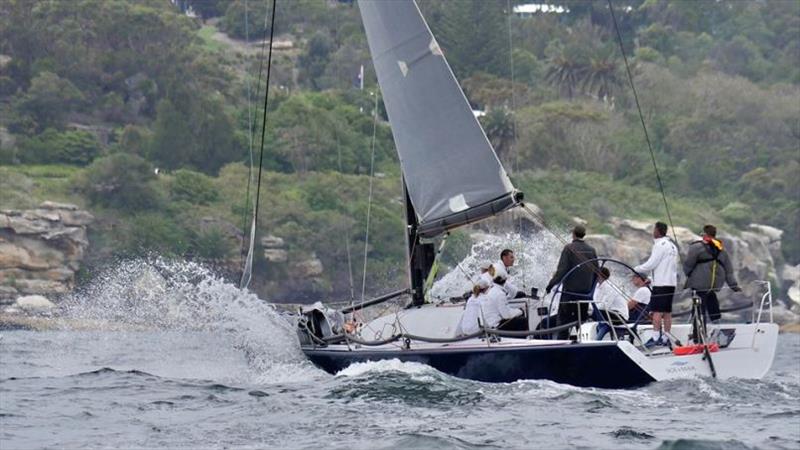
x,y
451,172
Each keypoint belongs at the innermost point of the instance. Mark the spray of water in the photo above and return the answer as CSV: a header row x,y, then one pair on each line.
x,y
159,295
537,256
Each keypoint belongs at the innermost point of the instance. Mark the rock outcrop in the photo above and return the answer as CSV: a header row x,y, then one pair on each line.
x,y
41,249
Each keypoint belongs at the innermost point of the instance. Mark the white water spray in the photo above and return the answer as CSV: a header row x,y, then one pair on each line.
x,y
160,295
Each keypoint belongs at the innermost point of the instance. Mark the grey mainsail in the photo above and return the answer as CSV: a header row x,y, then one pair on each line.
x,y
450,170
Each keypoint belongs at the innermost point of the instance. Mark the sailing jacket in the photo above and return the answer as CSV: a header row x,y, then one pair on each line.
x,y
608,298
472,311
509,287
663,263
495,307
581,280
705,272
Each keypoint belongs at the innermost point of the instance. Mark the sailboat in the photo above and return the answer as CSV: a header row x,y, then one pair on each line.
x,y
452,178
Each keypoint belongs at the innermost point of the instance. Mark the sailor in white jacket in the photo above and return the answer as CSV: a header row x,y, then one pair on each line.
x,y
472,311
607,297
495,307
505,264
663,264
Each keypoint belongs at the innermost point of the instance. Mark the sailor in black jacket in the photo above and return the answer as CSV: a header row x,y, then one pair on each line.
x,y
578,285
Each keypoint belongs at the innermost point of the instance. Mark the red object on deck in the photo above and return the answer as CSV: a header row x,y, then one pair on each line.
x,y
694,349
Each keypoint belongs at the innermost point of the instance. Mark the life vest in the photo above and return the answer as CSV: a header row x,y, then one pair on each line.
x,y
714,247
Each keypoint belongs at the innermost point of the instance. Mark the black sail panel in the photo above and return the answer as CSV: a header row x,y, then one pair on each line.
x,y
452,174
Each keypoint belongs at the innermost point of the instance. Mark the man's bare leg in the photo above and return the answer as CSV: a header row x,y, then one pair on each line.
x,y
657,323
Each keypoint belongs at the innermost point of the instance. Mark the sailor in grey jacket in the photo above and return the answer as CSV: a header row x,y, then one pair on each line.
x,y
708,267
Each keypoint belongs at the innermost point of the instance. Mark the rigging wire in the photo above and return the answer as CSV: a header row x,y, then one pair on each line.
x,y
247,266
248,259
337,76
513,148
247,271
644,127
369,202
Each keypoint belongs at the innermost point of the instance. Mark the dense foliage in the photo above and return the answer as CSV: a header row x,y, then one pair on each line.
x,y
147,109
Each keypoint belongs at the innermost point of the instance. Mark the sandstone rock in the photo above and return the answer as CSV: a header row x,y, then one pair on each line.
x,y
21,225
33,302
55,205
41,214
76,218
12,255
311,267
790,273
8,292
41,287
59,274
771,233
271,241
276,255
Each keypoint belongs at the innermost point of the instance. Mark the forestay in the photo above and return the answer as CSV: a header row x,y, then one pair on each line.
x,y
452,174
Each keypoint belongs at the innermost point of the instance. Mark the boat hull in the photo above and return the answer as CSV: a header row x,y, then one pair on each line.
x,y
603,364
582,365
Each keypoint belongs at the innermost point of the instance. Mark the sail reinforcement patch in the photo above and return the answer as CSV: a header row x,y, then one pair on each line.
x,y
403,67
458,203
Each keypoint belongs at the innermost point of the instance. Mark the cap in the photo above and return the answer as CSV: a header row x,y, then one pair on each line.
x,y
483,282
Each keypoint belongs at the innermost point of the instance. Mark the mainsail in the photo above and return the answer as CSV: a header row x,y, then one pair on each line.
x,y
450,170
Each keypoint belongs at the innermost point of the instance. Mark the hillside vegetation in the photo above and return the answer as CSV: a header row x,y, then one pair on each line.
x,y
95,95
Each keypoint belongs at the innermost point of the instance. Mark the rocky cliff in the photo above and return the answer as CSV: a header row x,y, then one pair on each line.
x,y
41,249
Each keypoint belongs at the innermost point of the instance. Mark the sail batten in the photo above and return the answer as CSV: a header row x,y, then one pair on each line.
x,y
449,167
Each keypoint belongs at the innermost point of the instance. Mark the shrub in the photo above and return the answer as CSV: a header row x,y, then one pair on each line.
x,y
192,187
69,147
119,181
211,244
737,213
153,233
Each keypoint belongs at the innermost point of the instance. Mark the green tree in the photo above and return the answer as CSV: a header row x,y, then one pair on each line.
x,y
69,147
192,187
48,100
119,181
315,59
474,36
172,142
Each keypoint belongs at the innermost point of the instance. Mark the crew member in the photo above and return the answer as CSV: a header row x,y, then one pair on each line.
x,y
608,298
638,304
506,262
495,307
663,263
578,285
708,267
470,319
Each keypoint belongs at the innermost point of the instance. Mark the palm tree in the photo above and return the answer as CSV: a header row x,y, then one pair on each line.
x,y
498,124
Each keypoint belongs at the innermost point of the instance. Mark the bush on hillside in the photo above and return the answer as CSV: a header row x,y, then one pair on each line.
x,y
152,233
120,181
48,100
69,147
192,187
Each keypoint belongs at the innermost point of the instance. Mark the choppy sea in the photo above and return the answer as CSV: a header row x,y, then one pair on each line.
x,y
170,356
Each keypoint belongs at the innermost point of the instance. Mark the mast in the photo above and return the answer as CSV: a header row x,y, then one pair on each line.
x,y
419,256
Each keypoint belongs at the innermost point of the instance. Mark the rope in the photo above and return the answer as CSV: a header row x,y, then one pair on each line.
x,y
247,267
264,121
369,201
644,127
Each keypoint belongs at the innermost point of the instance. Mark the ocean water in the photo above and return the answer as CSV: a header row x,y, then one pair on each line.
x,y
169,356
